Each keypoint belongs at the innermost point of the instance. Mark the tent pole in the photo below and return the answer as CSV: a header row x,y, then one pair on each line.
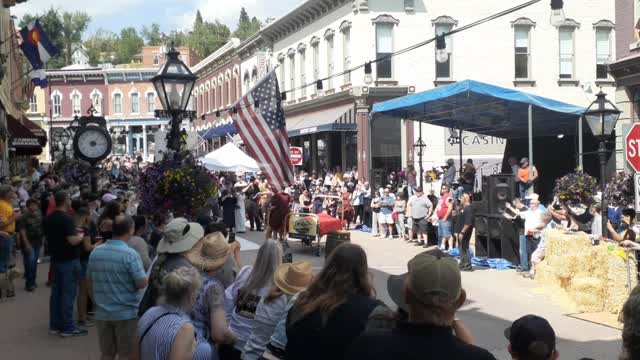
x,y
460,148
531,163
580,163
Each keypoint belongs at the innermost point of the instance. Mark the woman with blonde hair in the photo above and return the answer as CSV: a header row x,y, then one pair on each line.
x,y
334,310
165,332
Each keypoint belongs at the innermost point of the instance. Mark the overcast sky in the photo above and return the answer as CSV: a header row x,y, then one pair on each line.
x,y
115,14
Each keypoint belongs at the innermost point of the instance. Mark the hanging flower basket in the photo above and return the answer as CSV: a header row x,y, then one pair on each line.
x,y
176,184
576,188
74,172
619,190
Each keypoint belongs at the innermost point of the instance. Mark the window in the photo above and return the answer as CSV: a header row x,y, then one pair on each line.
x,y
135,103
443,70
156,59
346,53
75,104
57,105
96,101
330,62
292,75
151,102
117,103
246,81
603,52
33,104
315,50
522,52
303,75
567,56
384,47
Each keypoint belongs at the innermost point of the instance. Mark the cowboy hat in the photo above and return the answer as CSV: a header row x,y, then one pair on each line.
x,y
294,277
179,236
210,253
241,184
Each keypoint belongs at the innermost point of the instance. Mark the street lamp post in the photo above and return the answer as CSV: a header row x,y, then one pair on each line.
x,y
419,146
174,83
64,140
602,117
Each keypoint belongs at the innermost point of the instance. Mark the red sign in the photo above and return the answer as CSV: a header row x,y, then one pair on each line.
x,y
295,155
633,147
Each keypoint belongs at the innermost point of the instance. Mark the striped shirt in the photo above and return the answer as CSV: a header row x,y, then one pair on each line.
x,y
113,269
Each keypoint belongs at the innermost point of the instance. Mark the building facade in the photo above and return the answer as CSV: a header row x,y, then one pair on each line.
x,y
218,86
626,70
125,97
320,39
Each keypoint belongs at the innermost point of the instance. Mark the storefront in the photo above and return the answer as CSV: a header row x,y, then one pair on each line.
x,y
328,138
24,143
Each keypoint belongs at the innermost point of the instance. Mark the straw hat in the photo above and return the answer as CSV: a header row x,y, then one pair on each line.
x,y
293,278
210,253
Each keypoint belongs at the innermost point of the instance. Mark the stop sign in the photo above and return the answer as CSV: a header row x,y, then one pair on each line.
x,y
632,141
295,154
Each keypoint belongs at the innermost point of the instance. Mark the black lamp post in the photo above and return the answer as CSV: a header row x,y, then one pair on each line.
x,y
602,117
419,146
64,141
174,83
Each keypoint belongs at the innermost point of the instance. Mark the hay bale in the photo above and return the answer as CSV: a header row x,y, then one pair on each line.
x,y
587,293
616,292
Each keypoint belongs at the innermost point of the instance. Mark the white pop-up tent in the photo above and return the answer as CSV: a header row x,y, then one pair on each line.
x,y
229,158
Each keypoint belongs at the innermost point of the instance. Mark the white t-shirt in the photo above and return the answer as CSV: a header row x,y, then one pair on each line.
x,y
532,219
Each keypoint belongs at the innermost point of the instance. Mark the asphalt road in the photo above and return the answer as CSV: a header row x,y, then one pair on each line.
x,y
496,298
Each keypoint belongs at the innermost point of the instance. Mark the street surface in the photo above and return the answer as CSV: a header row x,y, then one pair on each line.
x,y
496,298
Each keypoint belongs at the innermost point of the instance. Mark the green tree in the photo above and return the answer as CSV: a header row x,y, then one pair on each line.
x,y
178,38
128,45
73,27
199,20
52,25
246,26
101,46
208,37
152,35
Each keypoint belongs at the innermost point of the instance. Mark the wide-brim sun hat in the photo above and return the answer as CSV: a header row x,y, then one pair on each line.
x,y
179,236
210,253
294,277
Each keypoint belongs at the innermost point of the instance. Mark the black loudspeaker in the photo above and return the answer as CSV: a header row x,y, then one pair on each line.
x,y
501,190
509,244
481,225
481,246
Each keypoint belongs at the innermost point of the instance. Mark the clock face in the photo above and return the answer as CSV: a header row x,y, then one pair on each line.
x,y
93,144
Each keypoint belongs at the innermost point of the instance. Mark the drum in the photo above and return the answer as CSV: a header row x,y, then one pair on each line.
x,y
334,239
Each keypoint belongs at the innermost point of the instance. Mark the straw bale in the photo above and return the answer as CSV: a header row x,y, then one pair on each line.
x,y
616,289
587,293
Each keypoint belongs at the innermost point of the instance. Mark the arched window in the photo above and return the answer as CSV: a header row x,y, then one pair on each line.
x,y
117,103
135,103
76,98
246,82
56,101
96,100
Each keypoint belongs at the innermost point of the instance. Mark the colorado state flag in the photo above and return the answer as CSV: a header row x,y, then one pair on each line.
x,y
36,45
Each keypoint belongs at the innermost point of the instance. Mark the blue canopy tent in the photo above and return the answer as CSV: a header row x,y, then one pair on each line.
x,y
218,131
488,110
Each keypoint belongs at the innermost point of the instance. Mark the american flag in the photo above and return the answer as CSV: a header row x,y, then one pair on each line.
x,y
263,130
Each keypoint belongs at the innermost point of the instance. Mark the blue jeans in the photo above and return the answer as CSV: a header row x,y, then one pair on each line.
x,y
6,245
525,190
63,295
30,263
524,259
444,230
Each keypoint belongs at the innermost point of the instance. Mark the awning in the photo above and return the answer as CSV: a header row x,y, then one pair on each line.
x,y
484,109
341,118
22,139
39,132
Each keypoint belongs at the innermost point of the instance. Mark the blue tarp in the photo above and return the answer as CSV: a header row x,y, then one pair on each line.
x,y
218,131
484,109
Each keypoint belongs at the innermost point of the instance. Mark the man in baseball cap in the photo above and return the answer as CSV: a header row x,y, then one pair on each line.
x,y
432,294
532,338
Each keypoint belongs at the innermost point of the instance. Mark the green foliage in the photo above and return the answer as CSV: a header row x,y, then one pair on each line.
x,y
129,44
246,26
101,46
152,35
73,27
208,37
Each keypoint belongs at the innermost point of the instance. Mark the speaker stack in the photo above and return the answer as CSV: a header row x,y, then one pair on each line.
x,y
496,237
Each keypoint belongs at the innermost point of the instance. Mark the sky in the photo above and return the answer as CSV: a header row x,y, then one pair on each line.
x,y
114,15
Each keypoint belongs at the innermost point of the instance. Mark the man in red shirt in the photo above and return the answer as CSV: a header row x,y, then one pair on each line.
x,y
443,217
